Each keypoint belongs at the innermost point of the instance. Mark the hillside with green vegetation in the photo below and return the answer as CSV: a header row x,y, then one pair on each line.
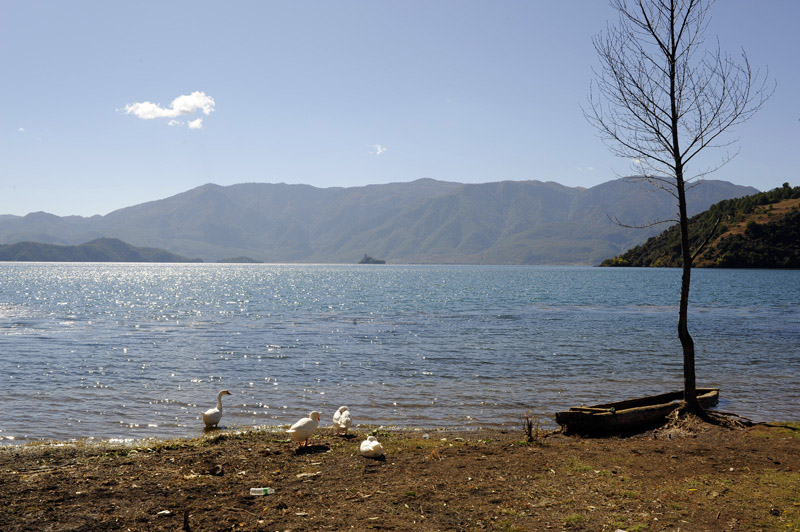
x,y
758,231
99,250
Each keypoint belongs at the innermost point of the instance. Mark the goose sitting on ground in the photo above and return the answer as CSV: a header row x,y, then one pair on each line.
x,y
341,420
371,447
303,429
212,416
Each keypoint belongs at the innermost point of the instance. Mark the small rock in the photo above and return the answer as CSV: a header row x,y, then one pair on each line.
x,y
775,511
164,512
217,471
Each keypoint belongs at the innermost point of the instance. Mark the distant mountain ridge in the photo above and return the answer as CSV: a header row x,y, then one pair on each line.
x,y
424,221
99,250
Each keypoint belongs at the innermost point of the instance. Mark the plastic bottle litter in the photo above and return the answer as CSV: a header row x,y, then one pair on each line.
x,y
262,491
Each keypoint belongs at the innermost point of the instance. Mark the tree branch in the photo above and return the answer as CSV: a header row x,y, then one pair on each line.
x,y
616,221
708,237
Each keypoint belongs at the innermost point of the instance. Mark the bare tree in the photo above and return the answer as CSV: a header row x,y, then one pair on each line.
x,y
660,98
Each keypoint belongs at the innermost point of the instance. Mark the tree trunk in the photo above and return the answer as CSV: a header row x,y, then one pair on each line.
x,y
689,380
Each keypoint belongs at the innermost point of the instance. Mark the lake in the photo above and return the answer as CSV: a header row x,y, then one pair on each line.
x,y
128,351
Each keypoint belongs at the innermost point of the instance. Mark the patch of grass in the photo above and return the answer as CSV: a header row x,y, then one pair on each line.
x,y
619,523
412,444
790,429
576,465
781,487
511,511
118,452
573,519
507,526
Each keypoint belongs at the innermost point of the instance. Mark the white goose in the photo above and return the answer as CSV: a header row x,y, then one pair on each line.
x,y
304,428
341,420
212,416
371,447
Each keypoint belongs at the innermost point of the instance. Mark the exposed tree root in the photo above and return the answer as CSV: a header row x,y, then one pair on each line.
x,y
781,425
691,419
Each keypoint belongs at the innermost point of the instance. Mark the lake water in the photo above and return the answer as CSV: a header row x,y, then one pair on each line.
x,y
138,350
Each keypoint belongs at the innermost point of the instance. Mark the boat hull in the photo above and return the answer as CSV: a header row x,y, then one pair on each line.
x,y
630,415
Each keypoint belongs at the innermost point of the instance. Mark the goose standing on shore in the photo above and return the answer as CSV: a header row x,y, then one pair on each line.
x,y
304,428
212,416
341,420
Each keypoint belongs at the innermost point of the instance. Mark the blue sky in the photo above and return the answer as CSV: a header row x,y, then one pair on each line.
x,y
333,94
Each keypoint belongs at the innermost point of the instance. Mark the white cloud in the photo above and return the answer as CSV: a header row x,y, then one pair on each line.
x,y
377,149
22,130
185,104
192,124
189,103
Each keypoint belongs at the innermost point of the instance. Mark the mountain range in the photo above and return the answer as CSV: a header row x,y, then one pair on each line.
x,y
423,221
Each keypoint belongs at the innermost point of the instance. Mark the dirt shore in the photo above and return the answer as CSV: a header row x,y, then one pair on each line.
x,y
692,478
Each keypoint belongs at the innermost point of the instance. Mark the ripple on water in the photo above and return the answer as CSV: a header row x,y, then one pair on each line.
x,y
137,351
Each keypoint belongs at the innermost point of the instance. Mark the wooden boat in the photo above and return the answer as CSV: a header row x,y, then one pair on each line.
x,y
630,415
